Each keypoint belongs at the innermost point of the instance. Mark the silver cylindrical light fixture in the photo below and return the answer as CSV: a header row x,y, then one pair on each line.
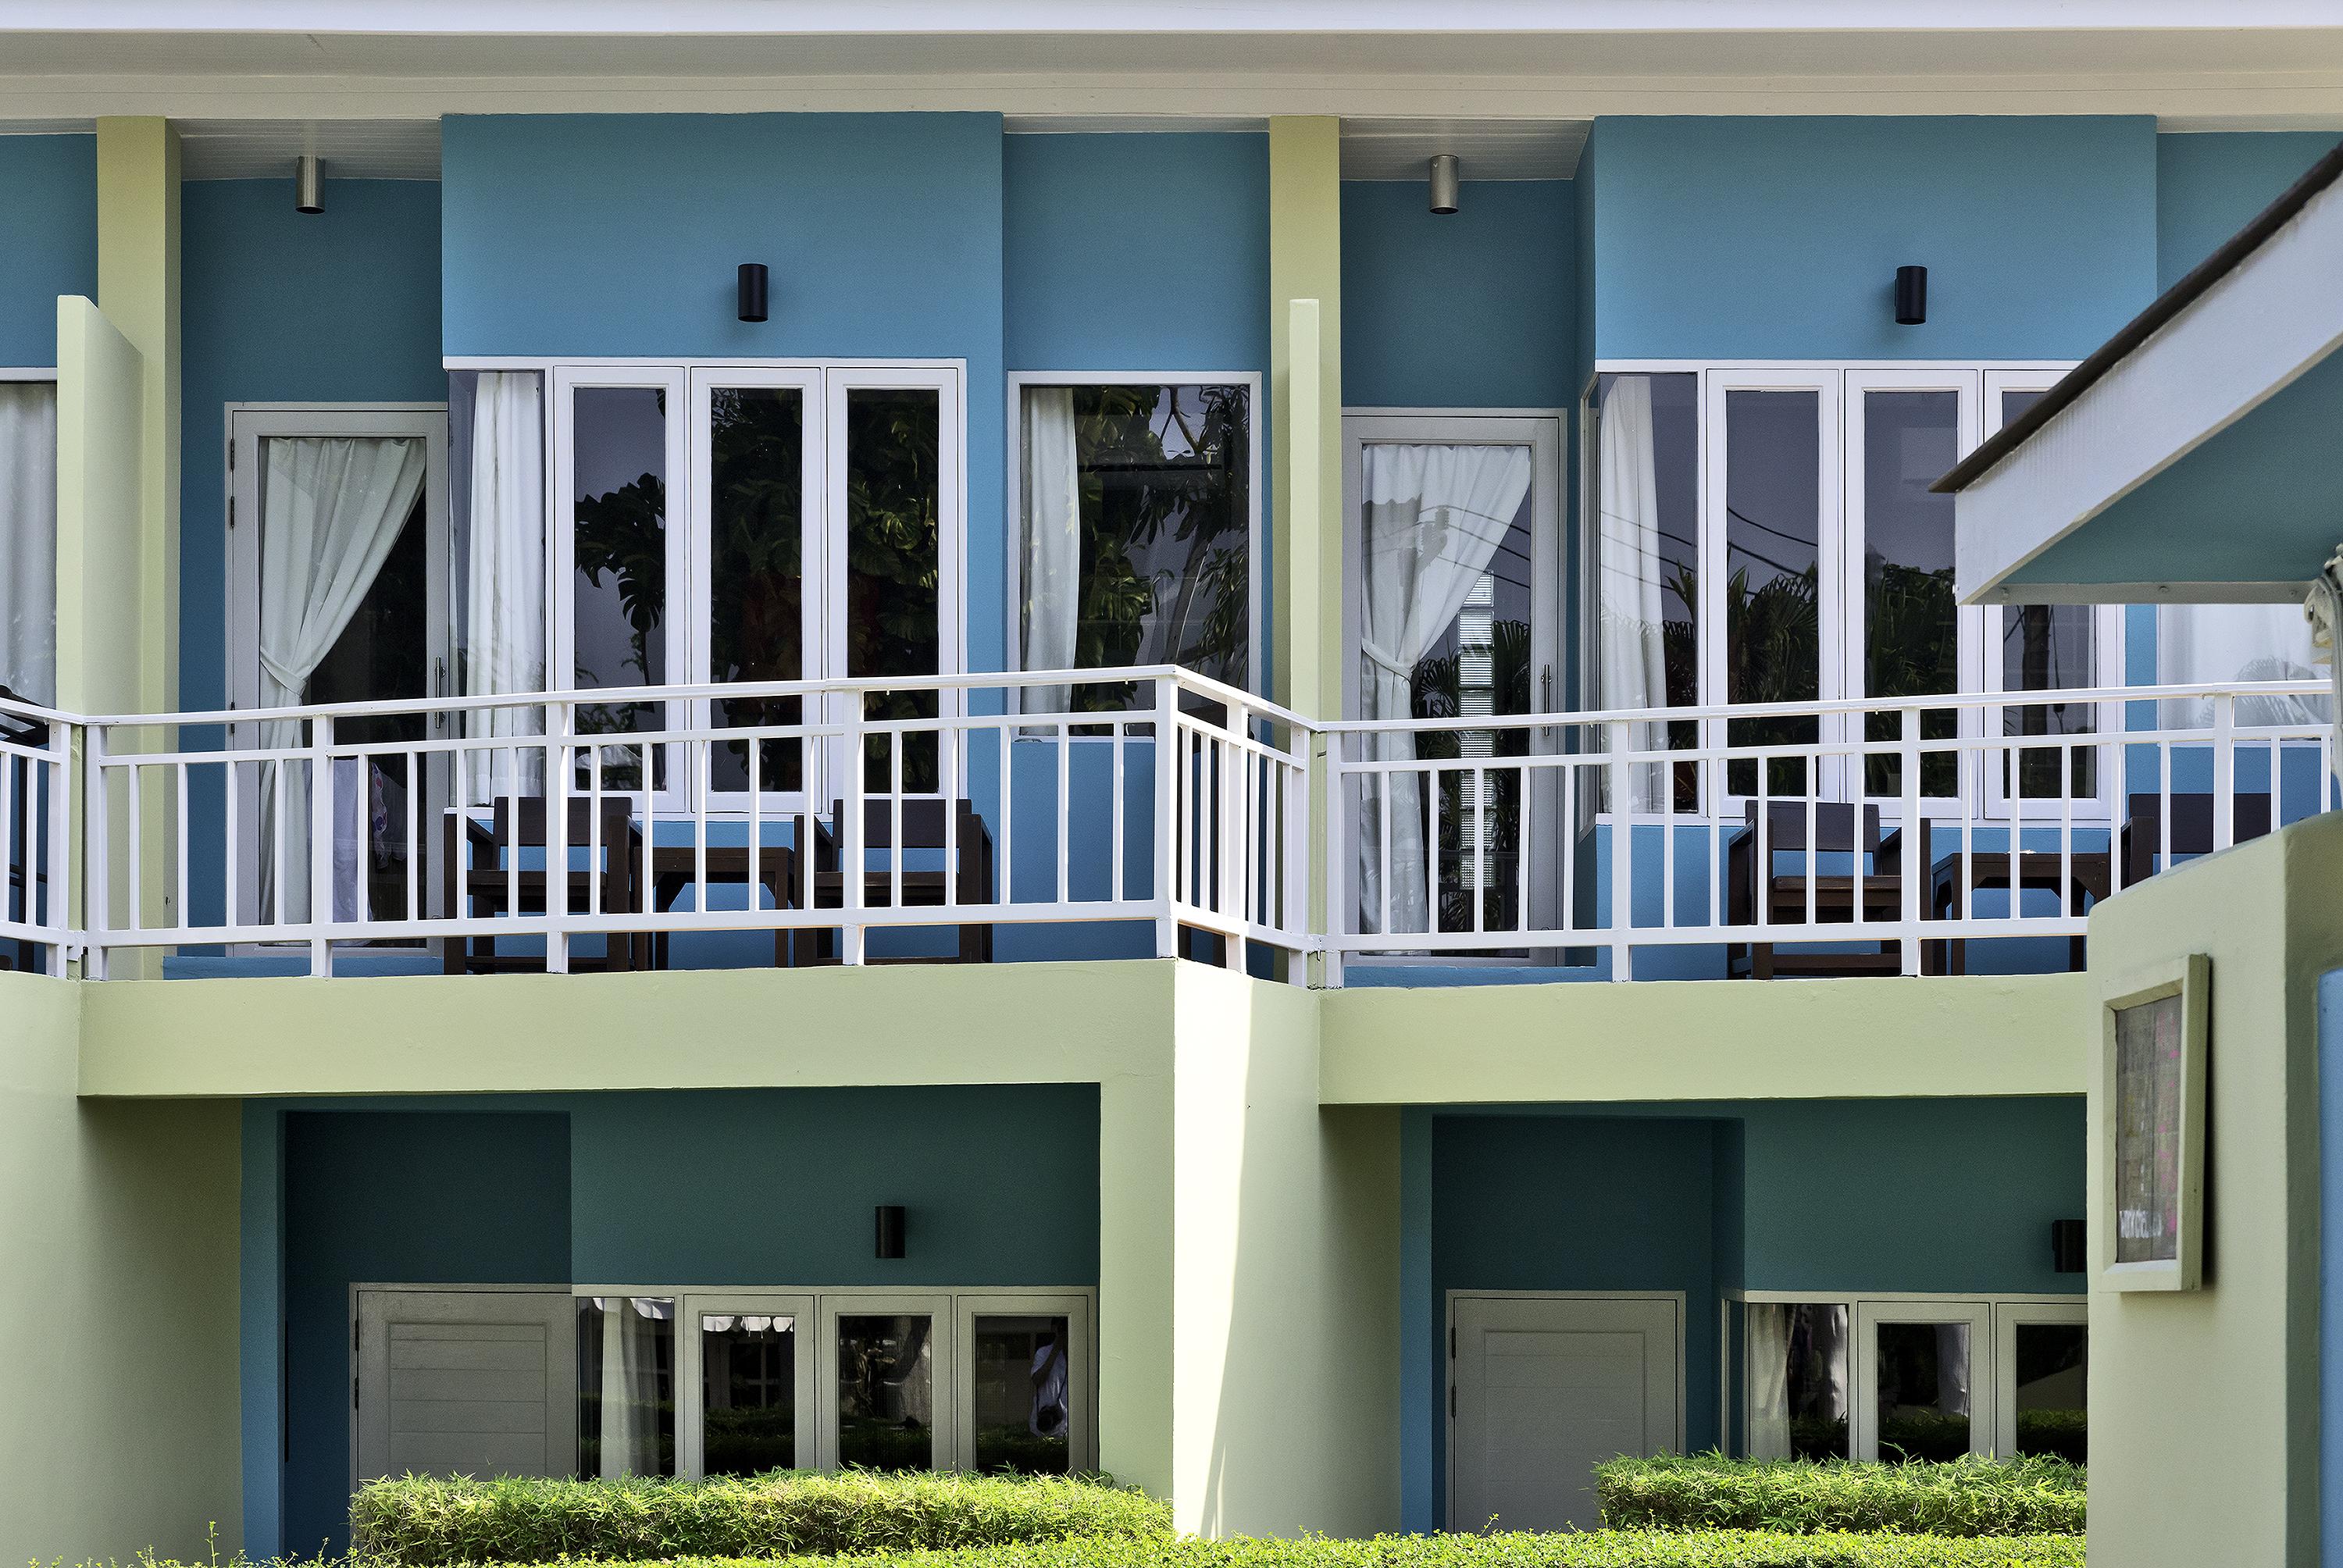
x,y
1444,183
309,184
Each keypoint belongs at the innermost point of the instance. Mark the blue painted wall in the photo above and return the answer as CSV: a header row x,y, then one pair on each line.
x,y
428,1198
1138,252
277,307
1476,310
621,235
1723,237
1929,1195
48,191
2209,185
748,1188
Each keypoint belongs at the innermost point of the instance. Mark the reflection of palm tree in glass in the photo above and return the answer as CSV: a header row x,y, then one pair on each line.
x,y
1480,841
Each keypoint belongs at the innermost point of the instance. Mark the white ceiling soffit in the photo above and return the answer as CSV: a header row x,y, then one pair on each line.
x,y
1484,150
349,149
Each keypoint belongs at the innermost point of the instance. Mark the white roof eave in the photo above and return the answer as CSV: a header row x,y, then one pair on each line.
x,y
2275,315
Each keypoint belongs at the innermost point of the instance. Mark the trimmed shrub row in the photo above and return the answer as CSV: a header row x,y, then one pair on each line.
x,y
787,1513
1970,1496
1598,1549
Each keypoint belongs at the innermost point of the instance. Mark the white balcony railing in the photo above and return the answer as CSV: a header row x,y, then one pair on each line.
x,y
985,815
1797,834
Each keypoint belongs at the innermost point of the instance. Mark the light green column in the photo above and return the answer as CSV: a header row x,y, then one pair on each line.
x,y
1305,286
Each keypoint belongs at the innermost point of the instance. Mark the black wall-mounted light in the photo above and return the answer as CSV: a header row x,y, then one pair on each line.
x,y
752,291
890,1231
2068,1246
1911,296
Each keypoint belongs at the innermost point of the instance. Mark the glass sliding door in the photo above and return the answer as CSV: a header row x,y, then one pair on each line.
x,y
1454,564
750,1358
617,549
1773,508
1904,636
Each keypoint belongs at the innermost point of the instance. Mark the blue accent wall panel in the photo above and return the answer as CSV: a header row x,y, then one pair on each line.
x,y
580,235
48,193
1473,309
1728,238
2209,185
260,1328
396,1197
777,1187
1136,251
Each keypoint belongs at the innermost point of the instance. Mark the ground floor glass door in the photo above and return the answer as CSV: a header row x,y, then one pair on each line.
x,y
1928,1380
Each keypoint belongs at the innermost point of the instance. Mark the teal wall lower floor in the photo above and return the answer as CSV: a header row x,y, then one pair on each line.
x,y
1953,1195
765,1187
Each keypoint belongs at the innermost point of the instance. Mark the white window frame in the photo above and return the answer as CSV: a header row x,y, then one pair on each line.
x,y
1081,1354
1839,385
1013,511
1993,1316
818,1308
690,1414
687,381
2008,1317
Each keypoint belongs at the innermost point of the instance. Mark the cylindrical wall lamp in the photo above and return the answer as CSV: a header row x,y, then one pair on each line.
x,y
890,1231
752,292
1444,183
309,184
2068,1246
1911,296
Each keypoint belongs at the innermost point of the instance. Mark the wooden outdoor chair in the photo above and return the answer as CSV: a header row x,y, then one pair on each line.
x,y
480,879
1781,898
2143,837
970,880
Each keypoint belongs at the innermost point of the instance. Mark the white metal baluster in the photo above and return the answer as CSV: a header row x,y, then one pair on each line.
x,y
1383,828
895,817
948,740
1167,928
1480,847
1007,746
1432,850
1532,784
321,844
63,804
232,864
1065,825
558,787
756,889
1814,856
414,793
2067,910
1566,845
137,867
855,856
2224,764
98,831
1912,865
1670,914
2162,850
1116,890
181,881
1622,855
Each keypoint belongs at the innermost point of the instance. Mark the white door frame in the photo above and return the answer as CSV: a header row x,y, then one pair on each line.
x,y
244,426
690,1393
1079,1309
1673,1299
2008,1317
942,1368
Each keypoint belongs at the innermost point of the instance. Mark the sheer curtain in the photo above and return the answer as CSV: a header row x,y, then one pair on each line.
x,y
1631,649
28,539
2201,643
637,1407
503,514
1434,515
1768,1352
1052,485
331,508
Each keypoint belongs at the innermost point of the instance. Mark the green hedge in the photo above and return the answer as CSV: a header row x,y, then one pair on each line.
x,y
1599,1549
1968,1496
419,1522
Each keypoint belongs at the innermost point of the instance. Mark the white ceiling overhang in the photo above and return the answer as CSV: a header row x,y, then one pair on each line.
x,y
2199,456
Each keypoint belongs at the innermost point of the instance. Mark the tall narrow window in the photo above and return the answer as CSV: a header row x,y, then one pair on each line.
x,y
2048,647
1910,629
625,1385
1773,552
756,622
886,1391
1922,1391
2049,1384
1798,1398
894,568
1025,1391
749,1392
1135,533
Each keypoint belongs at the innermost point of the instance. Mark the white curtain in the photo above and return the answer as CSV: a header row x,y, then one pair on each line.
x,y
331,508
634,1329
1434,515
2201,643
1632,653
1768,1353
28,539
504,615
1051,484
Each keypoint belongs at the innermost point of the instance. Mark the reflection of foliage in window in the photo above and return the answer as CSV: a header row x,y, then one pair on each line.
x,y
1912,648
893,558
622,533
1165,571
756,512
1480,840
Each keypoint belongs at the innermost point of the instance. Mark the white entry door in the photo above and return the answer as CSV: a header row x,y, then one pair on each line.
x,y
1544,1388
479,1383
